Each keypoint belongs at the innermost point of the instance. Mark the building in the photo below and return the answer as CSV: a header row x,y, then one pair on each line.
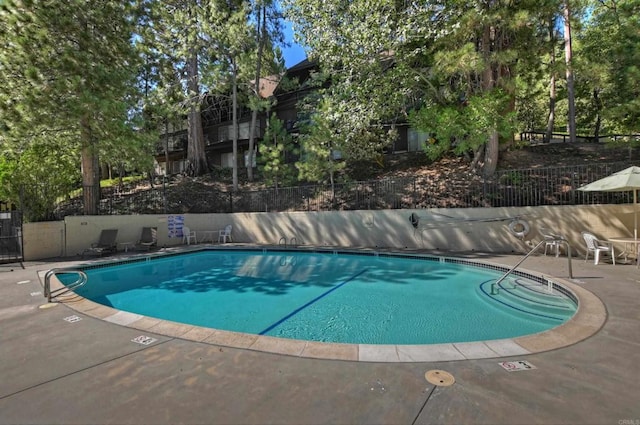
x,y
218,128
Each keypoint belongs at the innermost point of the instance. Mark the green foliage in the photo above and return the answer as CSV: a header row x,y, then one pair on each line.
x,y
318,148
361,49
37,179
276,148
387,58
68,75
611,51
464,127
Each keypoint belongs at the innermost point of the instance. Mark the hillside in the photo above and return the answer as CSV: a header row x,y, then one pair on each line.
x,y
457,168
441,183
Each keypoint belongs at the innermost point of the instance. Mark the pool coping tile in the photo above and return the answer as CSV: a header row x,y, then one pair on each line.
x,y
377,353
334,351
231,339
123,318
292,347
198,334
475,350
428,353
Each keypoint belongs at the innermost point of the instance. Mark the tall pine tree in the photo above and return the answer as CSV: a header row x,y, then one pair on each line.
x,y
68,69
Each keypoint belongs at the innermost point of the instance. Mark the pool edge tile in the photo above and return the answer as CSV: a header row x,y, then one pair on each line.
x,y
475,350
144,323
428,353
171,329
377,353
507,347
292,347
123,318
231,339
331,351
198,334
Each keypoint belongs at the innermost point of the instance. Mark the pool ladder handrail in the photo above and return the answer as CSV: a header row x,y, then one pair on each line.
x,y
49,294
555,238
283,241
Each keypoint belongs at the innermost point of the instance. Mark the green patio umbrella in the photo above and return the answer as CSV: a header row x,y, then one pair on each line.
x,y
623,181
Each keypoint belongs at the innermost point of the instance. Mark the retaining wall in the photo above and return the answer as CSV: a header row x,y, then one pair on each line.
x,y
439,229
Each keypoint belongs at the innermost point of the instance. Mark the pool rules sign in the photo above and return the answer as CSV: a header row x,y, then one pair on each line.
x,y
517,366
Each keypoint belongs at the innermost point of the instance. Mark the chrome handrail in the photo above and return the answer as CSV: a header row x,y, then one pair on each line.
x,y
48,293
557,238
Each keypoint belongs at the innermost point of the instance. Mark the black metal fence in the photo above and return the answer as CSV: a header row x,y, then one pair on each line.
x,y
10,234
508,188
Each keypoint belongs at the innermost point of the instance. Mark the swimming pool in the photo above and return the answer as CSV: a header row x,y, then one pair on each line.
x,y
330,296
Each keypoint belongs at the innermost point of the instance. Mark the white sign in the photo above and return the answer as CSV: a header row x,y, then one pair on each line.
x,y
174,225
72,319
517,366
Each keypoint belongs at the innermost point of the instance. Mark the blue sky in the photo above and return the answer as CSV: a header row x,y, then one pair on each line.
x,y
295,53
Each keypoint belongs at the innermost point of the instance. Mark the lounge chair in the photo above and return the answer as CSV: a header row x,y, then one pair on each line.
x,y
225,234
597,247
148,239
105,245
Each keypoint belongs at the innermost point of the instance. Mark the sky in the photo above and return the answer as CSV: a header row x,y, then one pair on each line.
x,y
295,53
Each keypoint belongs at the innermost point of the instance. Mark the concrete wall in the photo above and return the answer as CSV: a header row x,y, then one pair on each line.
x,y
442,229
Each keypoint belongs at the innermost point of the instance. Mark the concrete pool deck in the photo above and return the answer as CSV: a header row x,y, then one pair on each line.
x,y
61,365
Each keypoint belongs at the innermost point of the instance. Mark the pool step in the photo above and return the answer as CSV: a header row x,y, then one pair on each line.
x,y
531,298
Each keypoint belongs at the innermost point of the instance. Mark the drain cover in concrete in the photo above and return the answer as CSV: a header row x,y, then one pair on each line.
x,y
439,378
517,366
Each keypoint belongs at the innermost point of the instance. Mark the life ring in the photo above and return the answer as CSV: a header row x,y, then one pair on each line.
x,y
519,228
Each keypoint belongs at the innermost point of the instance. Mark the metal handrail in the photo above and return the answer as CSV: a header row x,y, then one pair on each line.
x,y
49,294
556,238
283,241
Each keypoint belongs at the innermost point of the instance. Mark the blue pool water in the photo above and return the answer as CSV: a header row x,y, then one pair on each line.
x,y
328,297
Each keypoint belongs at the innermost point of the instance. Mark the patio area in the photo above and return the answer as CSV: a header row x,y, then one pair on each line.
x,y
61,366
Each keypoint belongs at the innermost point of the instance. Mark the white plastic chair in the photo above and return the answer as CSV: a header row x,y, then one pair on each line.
x,y
597,246
225,234
188,235
552,241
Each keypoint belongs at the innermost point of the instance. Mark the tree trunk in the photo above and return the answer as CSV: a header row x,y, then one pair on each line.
x,y
571,121
598,105
166,147
492,147
552,86
234,77
196,156
262,13
90,169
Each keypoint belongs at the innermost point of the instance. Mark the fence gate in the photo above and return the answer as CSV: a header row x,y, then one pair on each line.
x,y
10,234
